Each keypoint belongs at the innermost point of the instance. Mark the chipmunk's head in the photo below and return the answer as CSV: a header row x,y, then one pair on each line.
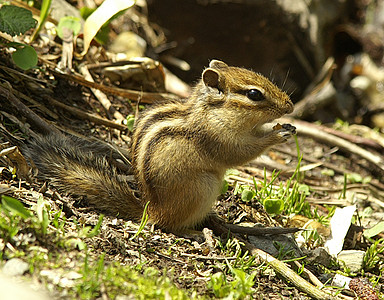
x,y
244,94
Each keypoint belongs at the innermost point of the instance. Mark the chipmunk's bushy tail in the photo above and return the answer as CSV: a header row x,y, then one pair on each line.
x,y
81,168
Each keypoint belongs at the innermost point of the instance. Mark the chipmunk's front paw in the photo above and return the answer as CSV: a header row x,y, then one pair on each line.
x,y
285,131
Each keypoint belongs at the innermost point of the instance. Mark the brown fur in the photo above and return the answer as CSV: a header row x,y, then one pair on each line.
x,y
180,150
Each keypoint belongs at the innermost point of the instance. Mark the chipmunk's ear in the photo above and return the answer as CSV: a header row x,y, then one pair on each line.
x,y
217,64
211,75
211,78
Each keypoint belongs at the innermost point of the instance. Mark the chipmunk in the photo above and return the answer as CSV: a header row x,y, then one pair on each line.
x,y
180,149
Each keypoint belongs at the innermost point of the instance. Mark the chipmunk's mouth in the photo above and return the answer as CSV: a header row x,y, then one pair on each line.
x,y
266,126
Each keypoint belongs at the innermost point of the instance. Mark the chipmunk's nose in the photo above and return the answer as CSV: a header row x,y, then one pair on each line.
x,y
288,106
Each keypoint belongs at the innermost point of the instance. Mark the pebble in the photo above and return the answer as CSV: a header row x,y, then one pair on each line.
x,y
351,259
15,267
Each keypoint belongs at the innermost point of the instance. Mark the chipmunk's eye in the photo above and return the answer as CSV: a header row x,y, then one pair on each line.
x,y
255,95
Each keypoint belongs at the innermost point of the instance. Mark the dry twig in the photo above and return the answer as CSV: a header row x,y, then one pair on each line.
x,y
303,128
346,136
85,115
8,95
102,97
144,97
288,274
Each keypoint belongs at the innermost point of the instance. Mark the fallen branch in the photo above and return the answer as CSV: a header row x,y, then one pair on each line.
x,y
346,136
287,273
7,94
85,115
102,97
316,133
143,97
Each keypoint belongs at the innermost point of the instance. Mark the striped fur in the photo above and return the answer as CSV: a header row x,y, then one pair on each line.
x,y
180,150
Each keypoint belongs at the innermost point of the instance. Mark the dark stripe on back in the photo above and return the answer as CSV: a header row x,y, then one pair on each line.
x,y
165,132
163,115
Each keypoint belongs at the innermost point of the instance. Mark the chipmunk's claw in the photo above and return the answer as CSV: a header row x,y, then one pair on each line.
x,y
290,128
286,131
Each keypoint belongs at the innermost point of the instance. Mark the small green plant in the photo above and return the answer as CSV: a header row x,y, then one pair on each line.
x,y
265,192
232,247
357,178
13,207
375,230
42,214
68,22
24,56
130,122
89,286
144,220
247,194
90,232
12,213
14,21
312,238
83,232
219,286
283,251
241,287
58,220
147,284
373,258
288,198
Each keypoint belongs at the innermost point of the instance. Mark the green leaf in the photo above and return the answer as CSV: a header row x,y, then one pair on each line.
x,y
95,231
44,11
328,172
354,178
375,230
69,22
42,214
247,195
25,57
15,206
219,286
16,20
130,122
76,243
304,189
224,187
273,206
144,220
